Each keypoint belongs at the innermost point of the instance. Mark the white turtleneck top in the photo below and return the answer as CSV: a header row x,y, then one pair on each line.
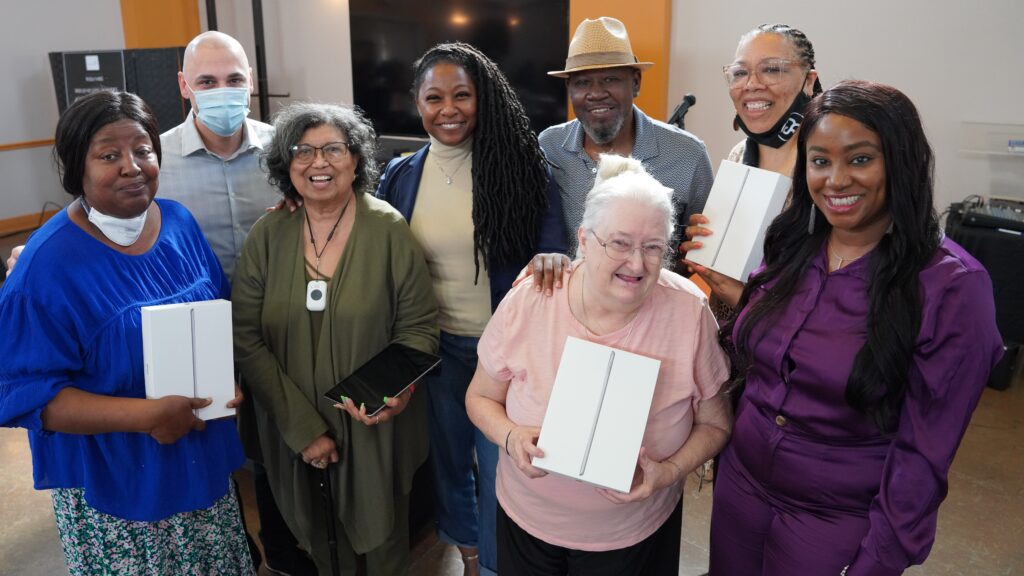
x,y
443,223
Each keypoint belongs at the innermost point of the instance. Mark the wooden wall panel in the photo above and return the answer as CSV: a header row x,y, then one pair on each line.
x,y
159,24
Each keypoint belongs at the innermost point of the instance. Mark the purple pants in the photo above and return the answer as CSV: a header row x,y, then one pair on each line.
x,y
786,503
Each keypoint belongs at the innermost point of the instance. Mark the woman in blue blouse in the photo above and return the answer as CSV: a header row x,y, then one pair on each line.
x,y
139,486
480,202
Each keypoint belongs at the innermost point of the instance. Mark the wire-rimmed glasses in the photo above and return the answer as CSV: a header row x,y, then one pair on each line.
x,y
769,71
619,249
332,151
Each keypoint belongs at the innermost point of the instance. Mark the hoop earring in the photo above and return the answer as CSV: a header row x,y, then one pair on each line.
x,y
810,221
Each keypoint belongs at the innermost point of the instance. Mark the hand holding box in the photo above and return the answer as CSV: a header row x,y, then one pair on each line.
x,y
188,351
742,204
597,414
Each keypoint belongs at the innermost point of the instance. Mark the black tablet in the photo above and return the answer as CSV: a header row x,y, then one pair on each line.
x,y
388,373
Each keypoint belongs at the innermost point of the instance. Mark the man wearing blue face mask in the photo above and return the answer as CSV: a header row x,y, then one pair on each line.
x,y
211,164
211,160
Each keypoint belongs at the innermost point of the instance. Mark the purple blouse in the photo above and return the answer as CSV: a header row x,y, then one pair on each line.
x,y
802,360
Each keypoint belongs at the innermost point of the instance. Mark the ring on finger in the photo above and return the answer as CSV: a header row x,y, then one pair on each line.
x,y
376,419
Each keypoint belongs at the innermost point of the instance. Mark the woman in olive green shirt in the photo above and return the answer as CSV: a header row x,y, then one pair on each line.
x,y
376,290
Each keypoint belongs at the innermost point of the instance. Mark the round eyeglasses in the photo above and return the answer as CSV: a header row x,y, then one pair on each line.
x,y
332,151
769,71
619,249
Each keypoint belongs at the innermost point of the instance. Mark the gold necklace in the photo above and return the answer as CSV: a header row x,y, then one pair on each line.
x,y
448,177
842,260
586,319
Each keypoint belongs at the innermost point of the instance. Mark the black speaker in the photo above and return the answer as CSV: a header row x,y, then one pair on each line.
x,y
151,73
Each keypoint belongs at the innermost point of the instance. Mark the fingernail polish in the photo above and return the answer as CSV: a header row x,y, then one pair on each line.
x,y
385,399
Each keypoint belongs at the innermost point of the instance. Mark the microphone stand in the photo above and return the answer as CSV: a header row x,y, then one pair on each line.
x,y
680,112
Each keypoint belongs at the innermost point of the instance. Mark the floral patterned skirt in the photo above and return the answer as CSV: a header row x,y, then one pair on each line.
x,y
201,543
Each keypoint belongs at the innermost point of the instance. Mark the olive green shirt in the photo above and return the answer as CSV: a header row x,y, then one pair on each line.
x,y
380,293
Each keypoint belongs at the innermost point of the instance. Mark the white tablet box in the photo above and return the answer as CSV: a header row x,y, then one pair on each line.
x,y
187,351
597,414
743,202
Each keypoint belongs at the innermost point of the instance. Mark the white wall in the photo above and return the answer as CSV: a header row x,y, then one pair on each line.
x,y
958,61
28,31
308,56
307,44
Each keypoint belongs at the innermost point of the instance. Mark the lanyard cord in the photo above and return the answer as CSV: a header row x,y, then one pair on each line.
x,y
330,235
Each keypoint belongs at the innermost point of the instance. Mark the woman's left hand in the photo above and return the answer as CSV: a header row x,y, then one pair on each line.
x,y
727,289
237,400
650,476
394,406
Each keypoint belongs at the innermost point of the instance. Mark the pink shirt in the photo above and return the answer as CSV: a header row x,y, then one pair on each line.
x,y
523,345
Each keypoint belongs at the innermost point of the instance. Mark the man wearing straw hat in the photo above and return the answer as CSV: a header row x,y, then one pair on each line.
x,y
602,77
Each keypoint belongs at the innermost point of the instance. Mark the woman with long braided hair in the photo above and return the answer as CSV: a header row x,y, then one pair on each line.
x,y
483,202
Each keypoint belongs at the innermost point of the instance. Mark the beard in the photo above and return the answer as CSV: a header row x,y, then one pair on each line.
x,y
604,133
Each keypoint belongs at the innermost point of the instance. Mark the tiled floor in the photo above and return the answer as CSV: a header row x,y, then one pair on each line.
x,y
981,524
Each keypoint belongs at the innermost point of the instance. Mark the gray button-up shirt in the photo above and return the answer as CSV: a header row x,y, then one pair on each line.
x,y
674,157
226,195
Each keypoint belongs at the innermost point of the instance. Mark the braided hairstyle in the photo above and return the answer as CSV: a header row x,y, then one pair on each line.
x,y
510,176
804,48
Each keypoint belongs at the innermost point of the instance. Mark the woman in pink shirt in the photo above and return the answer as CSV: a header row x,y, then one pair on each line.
x,y
618,295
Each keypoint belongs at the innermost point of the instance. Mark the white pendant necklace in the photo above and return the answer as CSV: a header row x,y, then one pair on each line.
x,y
448,177
316,289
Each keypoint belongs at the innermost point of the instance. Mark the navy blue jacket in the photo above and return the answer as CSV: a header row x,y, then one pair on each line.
x,y
401,182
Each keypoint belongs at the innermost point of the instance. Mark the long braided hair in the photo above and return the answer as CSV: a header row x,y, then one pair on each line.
x,y
510,175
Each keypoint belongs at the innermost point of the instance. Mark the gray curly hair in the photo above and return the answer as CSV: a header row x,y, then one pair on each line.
x,y
291,123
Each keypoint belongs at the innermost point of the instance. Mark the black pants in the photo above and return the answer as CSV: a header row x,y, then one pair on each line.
x,y
278,542
520,554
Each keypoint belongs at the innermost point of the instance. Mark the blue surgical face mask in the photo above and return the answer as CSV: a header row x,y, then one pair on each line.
x,y
222,110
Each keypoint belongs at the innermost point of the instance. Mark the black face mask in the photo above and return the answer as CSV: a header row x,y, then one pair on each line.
x,y
784,129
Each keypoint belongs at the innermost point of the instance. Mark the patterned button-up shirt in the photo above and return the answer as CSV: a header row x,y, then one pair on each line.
x,y
674,157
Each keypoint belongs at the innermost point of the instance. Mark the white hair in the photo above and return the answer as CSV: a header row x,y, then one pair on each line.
x,y
621,178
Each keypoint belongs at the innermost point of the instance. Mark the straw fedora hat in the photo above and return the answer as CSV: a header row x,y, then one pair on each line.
x,y
601,43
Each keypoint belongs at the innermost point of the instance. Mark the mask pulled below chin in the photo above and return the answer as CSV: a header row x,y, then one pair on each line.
x,y
784,129
120,231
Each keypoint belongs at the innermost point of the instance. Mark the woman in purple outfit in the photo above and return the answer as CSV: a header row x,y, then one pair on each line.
x,y
865,341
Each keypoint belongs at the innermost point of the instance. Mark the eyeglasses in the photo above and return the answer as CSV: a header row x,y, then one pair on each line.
x,y
333,152
769,71
619,249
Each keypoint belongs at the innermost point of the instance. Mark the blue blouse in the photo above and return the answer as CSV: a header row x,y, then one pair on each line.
x,y
70,318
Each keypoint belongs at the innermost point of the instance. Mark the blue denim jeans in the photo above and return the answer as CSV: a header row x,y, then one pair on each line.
x,y
462,518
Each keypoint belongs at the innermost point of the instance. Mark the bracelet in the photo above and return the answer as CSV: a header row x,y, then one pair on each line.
x,y
681,474
507,436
